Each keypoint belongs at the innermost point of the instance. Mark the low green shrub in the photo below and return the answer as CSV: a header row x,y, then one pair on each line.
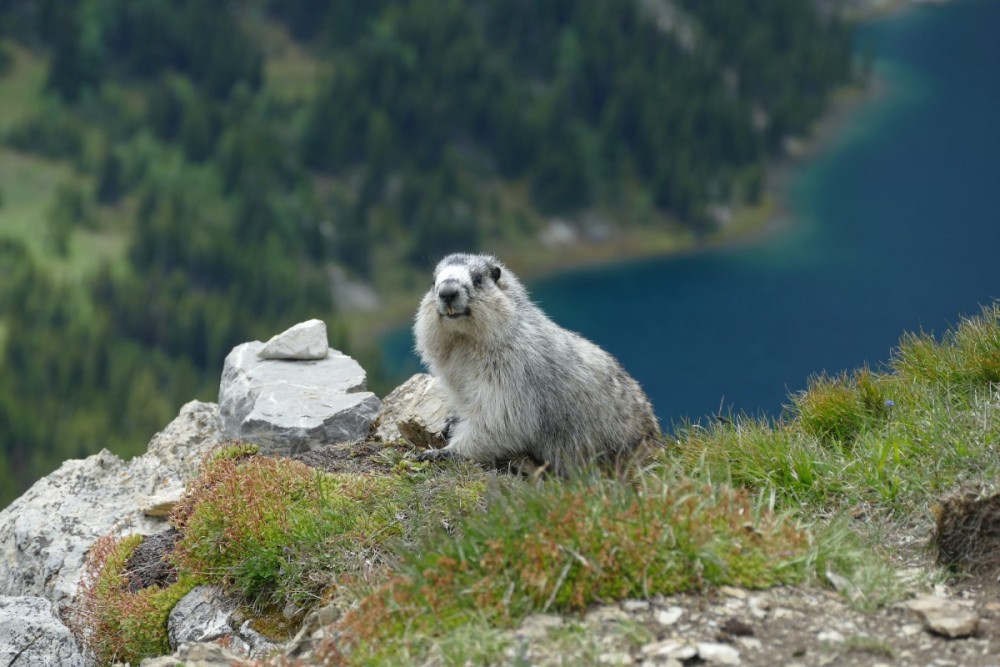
x,y
838,409
967,356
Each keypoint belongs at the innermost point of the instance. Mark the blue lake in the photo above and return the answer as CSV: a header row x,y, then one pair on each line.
x,y
895,227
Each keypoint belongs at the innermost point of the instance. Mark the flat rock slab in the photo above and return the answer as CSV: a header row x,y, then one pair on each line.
x,y
30,634
286,407
305,341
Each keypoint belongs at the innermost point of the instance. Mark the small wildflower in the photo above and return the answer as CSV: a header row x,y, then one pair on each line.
x,y
889,403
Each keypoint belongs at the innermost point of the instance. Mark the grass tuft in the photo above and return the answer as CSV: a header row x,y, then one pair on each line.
x,y
117,624
276,531
967,356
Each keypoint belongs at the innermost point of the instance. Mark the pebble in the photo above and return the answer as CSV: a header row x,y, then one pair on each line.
x,y
733,592
634,606
606,614
718,654
669,616
537,626
831,636
670,648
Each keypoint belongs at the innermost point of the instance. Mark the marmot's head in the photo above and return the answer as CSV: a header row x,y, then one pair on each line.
x,y
463,283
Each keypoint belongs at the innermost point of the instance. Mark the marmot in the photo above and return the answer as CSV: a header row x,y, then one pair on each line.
x,y
520,385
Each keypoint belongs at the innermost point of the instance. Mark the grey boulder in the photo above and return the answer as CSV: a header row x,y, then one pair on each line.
x,y
205,614
46,533
286,407
30,634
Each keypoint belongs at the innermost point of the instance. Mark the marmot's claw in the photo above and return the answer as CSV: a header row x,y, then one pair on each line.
x,y
435,454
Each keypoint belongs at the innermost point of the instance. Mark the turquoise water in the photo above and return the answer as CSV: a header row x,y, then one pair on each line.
x,y
896,227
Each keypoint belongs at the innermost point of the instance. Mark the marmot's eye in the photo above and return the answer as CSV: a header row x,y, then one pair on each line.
x,y
477,279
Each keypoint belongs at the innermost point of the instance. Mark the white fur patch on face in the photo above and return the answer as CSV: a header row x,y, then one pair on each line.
x,y
454,272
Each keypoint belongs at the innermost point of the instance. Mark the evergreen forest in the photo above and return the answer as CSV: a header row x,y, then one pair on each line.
x,y
181,176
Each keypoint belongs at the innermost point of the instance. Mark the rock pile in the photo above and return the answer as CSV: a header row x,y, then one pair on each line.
x,y
287,398
288,395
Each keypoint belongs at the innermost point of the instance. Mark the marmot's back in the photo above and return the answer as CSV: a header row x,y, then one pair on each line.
x,y
519,384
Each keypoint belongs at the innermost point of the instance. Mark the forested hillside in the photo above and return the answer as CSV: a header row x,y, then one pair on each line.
x,y
179,176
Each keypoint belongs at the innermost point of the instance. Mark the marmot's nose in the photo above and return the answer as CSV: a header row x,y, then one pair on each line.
x,y
448,291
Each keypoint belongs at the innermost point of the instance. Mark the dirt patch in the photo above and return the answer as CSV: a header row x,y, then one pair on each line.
x,y
149,564
792,626
365,456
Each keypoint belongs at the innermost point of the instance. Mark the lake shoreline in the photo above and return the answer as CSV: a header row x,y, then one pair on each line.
x,y
749,225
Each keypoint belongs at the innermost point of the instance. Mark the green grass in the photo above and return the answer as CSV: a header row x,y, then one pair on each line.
x,y
566,545
897,439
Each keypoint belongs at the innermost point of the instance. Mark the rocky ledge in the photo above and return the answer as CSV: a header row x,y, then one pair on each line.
x,y
297,395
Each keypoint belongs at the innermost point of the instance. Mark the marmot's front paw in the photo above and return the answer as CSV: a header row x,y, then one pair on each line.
x,y
436,454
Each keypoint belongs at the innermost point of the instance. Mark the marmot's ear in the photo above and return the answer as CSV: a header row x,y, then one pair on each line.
x,y
495,273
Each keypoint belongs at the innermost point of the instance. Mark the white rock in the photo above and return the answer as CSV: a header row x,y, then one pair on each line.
x,y
198,654
635,606
202,615
733,592
669,616
287,407
615,659
670,649
955,624
718,654
831,636
30,634
162,504
304,341
605,614
944,617
46,533
416,411
205,614
260,645
537,626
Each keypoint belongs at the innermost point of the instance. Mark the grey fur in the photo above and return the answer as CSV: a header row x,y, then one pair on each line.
x,y
520,384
